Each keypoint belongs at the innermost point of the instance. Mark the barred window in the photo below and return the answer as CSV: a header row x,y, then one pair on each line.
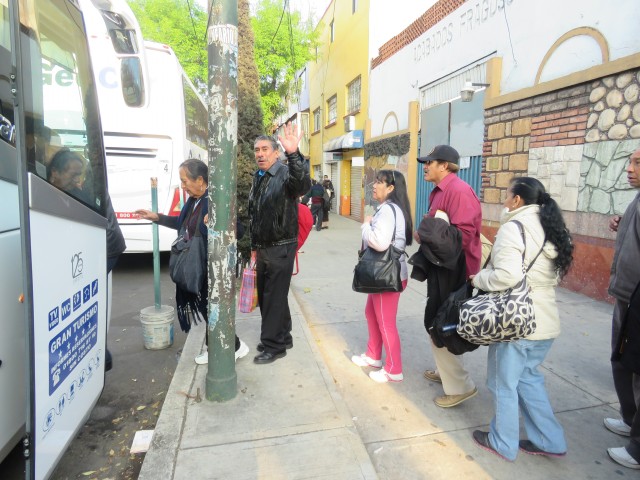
x,y
353,96
316,119
332,109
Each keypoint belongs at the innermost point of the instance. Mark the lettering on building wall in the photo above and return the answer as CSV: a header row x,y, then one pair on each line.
x,y
468,19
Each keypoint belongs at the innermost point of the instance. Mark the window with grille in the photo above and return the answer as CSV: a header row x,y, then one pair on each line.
x,y
353,95
316,119
332,110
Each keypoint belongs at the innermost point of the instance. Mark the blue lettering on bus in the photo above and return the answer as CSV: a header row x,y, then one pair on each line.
x,y
86,294
70,346
108,77
77,301
66,308
54,318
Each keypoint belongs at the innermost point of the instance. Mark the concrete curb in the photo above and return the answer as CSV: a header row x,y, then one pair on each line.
x,y
160,460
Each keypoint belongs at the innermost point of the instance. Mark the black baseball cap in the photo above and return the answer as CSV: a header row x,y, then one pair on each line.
x,y
442,153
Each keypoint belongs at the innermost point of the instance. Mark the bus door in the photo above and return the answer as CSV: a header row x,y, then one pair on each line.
x,y
62,225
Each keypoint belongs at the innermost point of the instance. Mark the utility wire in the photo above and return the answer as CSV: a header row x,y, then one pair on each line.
x,y
195,35
284,9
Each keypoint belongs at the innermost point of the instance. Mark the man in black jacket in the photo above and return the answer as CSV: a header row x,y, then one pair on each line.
x,y
273,212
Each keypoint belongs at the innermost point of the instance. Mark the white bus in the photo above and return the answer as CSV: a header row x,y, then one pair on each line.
x,y
53,280
152,116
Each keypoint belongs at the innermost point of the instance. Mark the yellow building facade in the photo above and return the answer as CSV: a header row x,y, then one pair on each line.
x,y
338,86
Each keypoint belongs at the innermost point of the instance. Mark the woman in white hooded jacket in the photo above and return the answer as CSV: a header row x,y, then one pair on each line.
x,y
512,367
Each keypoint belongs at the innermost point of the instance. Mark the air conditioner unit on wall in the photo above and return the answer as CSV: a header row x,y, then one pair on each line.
x,y
349,123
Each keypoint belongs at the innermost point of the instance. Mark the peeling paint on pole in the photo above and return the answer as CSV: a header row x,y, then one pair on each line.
x,y
222,39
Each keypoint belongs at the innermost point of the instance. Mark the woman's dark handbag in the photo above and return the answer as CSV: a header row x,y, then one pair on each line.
x,y
443,328
378,272
188,263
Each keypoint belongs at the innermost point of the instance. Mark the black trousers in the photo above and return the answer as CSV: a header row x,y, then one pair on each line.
x,y
273,275
316,211
627,385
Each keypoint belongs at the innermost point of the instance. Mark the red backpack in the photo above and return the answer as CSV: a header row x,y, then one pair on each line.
x,y
305,224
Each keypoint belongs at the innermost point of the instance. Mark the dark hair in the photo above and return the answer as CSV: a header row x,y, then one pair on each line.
x,y
61,159
273,141
532,192
400,197
196,168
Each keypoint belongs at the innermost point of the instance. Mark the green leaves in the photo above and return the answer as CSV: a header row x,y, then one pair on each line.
x,y
283,45
171,23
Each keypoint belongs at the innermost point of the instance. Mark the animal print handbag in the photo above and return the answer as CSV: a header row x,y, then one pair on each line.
x,y
500,316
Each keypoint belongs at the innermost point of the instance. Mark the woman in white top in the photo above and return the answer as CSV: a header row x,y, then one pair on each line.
x,y
390,191
513,375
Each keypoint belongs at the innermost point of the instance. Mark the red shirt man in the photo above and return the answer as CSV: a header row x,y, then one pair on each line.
x,y
458,200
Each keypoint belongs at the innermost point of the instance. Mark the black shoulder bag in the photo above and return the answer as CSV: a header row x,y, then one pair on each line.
x,y
188,260
378,272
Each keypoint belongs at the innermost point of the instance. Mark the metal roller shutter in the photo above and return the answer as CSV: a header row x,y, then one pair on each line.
x,y
356,192
335,169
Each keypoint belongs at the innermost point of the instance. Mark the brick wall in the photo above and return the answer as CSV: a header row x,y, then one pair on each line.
x,y
428,19
553,119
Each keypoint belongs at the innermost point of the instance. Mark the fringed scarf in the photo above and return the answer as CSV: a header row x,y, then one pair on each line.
x,y
192,308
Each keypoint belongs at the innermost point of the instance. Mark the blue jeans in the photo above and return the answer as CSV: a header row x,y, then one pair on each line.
x,y
513,379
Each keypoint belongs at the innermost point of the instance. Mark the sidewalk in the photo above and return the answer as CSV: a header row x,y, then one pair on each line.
x,y
313,414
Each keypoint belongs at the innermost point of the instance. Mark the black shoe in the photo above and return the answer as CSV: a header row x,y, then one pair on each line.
x,y
269,357
260,346
482,440
528,447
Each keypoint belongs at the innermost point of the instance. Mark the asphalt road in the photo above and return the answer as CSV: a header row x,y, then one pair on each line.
x,y
134,389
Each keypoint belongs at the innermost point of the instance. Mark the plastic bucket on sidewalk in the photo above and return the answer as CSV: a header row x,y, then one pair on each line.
x,y
157,327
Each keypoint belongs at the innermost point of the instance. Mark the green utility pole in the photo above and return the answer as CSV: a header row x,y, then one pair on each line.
x,y
222,41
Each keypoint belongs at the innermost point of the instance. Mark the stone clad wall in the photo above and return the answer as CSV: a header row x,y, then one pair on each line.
x,y
556,119
577,142
615,108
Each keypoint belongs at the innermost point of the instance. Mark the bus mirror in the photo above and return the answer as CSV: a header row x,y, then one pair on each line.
x,y
131,80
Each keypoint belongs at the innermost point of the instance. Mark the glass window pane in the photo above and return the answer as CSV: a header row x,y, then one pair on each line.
x,y
63,135
131,78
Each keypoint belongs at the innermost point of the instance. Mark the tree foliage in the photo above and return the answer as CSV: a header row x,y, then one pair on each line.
x,y
249,118
283,45
167,21
171,23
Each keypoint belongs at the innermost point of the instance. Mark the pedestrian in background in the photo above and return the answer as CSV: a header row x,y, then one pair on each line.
x,y
457,199
625,275
316,195
329,194
273,213
391,219
194,177
513,377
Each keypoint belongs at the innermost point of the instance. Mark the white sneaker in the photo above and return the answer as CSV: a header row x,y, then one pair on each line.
x,y
381,376
616,425
242,351
202,359
366,361
621,456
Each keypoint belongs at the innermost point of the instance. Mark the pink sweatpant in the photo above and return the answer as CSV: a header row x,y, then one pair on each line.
x,y
381,311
